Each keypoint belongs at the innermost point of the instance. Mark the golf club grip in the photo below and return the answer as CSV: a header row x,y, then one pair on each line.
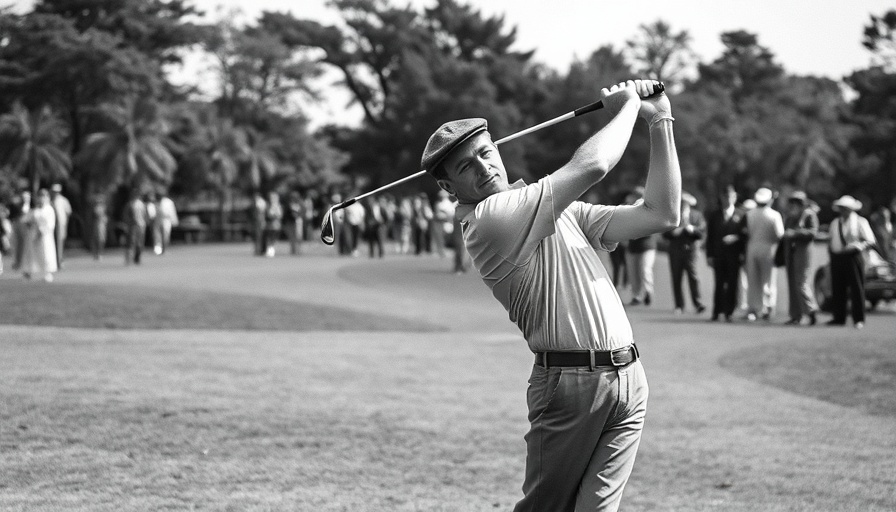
x,y
657,90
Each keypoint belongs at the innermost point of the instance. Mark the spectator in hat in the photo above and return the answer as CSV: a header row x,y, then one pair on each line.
x,y
725,253
18,213
39,255
63,210
684,244
764,228
881,220
851,235
640,256
800,228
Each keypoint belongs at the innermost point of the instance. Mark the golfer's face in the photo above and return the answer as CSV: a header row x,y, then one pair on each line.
x,y
475,169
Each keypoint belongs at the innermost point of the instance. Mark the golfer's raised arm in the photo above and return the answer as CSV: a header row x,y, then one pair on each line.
x,y
600,153
660,209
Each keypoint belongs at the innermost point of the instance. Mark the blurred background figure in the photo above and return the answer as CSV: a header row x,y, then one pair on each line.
x,y
881,220
294,221
421,220
747,206
800,228
135,221
724,253
39,256
63,209
764,228
851,235
404,219
617,259
442,222
258,212
354,221
309,212
640,257
273,218
5,235
152,214
98,226
684,245
374,227
18,213
165,220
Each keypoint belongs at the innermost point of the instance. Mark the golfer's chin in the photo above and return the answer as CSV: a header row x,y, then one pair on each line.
x,y
492,186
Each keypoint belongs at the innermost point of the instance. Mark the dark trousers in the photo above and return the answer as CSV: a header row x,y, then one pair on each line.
x,y
848,282
726,270
620,274
684,262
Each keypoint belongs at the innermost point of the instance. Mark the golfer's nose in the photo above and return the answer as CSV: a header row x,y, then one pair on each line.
x,y
480,165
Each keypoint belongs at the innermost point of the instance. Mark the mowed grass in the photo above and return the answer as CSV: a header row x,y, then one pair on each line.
x,y
338,418
142,307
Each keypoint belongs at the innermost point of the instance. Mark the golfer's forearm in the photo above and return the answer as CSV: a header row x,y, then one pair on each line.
x,y
662,191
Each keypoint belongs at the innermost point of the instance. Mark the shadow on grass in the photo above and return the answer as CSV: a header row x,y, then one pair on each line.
x,y
120,307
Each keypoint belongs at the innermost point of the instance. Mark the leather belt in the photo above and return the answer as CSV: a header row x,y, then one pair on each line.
x,y
588,358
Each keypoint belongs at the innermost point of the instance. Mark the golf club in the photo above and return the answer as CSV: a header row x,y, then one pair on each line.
x,y
327,229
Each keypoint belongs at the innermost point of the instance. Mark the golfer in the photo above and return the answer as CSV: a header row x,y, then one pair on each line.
x,y
536,247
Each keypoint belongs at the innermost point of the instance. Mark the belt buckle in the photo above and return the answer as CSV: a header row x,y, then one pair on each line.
x,y
616,356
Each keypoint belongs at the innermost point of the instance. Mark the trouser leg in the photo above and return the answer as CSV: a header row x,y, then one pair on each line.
x,y
839,287
676,267
647,261
857,287
690,269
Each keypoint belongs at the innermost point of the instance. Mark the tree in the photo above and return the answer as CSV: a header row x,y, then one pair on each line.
x,y
31,145
661,54
131,150
880,39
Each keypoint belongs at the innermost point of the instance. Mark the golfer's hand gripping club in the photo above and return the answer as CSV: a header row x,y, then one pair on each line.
x,y
328,231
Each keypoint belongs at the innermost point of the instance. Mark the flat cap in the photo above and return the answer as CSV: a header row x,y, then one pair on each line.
x,y
447,137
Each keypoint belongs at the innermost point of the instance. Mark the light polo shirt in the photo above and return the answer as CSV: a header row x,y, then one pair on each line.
x,y
543,267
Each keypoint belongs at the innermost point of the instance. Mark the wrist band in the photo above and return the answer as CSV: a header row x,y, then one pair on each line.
x,y
659,116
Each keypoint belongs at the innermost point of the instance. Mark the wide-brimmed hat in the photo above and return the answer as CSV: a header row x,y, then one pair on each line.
x,y
446,138
799,197
848,202
763,196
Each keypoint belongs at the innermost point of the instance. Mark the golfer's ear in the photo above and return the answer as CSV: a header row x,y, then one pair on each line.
x,y
446,186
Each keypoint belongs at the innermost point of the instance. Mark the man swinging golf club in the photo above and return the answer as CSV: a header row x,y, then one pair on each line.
x,y
536,247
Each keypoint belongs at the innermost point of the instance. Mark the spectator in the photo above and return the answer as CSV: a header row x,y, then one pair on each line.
x,y
152,214
166,219
5,235
421,217
640,257
617,260
309,214
259,224
18,213
354,220
135,219
800,228
404,218
765,227
63,211
273,218
39,255
374,227
294,221
851,235
99,222
724,253
684,243
881,221
747,206
442,224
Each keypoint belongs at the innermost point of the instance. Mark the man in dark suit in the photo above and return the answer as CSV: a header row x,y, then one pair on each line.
x,y
724,252
684,243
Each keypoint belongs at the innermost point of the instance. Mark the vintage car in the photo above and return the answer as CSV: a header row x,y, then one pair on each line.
x,y
880,281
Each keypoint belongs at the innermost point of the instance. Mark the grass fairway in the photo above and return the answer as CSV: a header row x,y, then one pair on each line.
x,y
394,403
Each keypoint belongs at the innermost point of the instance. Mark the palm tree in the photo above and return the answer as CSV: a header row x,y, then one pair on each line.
x,y
261,165
30,145
131,151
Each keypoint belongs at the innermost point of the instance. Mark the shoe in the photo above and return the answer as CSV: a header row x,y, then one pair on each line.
x,y
700,309
48,278
635,302
792,321
678,311
728,319
714,317
766,315
860,325
834,322
751,317
646,299
813,318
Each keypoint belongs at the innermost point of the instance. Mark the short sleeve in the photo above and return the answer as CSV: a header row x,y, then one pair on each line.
x,y
514,222
593,220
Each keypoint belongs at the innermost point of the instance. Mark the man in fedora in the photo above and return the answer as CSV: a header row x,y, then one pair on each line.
x,y
800,228
764,228
536,247
851,235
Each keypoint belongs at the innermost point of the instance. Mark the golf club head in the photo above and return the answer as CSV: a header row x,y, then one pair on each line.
x,y
327,228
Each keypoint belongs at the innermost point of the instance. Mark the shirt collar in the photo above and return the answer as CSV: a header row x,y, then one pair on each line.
x,y
464,209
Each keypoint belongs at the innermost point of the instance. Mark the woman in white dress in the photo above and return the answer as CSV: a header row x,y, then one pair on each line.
x,y
39,259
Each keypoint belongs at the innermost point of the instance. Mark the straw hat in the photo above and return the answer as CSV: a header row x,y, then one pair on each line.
x,y
848,202
763,196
